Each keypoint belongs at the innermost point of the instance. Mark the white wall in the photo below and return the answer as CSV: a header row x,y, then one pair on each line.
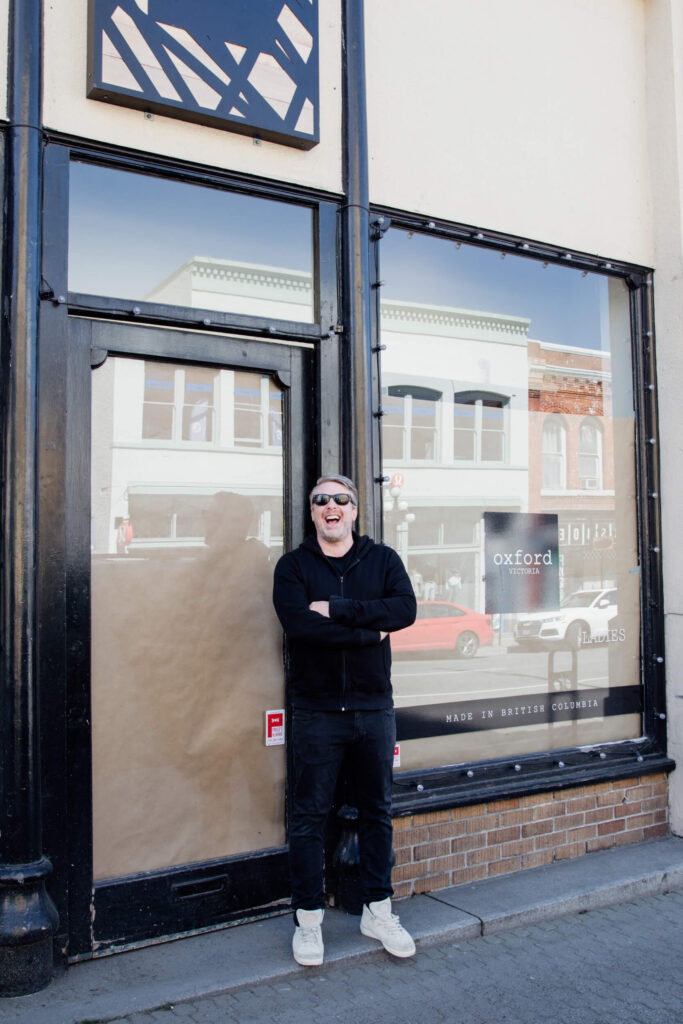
x,y
66,109
665,112
526,117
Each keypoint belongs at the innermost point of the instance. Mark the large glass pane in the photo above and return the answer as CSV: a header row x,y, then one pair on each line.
x,y
523,527
186,245
186,650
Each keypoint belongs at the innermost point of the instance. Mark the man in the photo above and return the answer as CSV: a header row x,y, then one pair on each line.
x,y
337,596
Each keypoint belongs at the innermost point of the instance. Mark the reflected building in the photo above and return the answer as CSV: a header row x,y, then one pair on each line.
x,y
571,458
175,435
238,287
454,427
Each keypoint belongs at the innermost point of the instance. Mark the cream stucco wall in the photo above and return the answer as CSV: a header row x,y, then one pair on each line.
x,y
66,109
526,117
665,119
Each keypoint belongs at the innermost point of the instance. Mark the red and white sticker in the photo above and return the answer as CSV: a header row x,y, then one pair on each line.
x,y
275,728
397,756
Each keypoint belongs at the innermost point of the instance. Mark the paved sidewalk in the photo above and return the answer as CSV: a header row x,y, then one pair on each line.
x,y
256,957
613,965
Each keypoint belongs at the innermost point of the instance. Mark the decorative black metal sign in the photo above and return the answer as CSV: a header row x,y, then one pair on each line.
x,y
522,562
248,67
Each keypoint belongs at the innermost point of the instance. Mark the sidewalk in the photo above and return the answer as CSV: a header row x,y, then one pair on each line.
x,y
216,962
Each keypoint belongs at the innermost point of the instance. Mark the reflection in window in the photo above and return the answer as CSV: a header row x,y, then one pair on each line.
x,y
532,361
479,428
157,413
198,407
410,423
182,404
258,412
554,457
167,516
182,244
590,456
182,518
179,403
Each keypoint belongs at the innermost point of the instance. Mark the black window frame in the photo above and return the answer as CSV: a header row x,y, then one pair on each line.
x,y
324,207
507,777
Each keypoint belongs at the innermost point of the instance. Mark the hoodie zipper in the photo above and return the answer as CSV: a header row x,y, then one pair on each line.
x,y
341,594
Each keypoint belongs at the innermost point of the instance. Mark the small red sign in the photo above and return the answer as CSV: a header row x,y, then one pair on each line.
x,y
398,480
275,728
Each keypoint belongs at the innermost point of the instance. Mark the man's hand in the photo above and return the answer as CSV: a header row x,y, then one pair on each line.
x,y
321,607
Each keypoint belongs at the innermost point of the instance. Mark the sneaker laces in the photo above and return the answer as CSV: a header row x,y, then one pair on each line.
x,y
391,922
308,936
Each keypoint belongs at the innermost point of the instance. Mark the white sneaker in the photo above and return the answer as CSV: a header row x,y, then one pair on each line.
x,y
378,922
307,943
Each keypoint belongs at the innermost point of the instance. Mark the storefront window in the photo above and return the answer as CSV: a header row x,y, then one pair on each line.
x,y
182,244
520,536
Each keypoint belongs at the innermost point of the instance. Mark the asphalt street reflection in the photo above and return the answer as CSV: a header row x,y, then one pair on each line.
x,y
494,672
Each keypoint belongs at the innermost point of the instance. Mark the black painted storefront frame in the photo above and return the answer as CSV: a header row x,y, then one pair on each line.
x,y
337,443
78,332
58,777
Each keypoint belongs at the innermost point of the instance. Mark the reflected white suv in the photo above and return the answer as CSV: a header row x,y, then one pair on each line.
x,y
583,618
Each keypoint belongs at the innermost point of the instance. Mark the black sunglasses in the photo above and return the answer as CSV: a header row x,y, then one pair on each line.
x,y
339,499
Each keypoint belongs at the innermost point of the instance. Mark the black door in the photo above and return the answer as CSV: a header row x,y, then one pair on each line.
x,y
185,462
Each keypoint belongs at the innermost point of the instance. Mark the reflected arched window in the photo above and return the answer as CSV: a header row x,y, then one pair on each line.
x,y
590,455
479,427
410,423
554,454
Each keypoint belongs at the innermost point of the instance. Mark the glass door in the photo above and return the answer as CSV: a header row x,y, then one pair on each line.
x,y
188,513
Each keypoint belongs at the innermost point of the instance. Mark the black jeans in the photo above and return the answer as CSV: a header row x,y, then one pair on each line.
x,y
320,739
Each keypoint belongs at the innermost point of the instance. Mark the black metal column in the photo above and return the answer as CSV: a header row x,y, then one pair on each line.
x,y
342,875
356,383
27,916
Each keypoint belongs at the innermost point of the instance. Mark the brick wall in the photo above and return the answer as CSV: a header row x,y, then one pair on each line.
x,y
442,848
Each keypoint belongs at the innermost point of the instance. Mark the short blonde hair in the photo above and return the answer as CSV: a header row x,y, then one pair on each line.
x,y
336,478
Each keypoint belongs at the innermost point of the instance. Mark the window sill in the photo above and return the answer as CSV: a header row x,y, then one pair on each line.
x,y
498,780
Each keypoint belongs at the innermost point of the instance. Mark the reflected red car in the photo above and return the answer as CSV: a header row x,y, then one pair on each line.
x,y
444,626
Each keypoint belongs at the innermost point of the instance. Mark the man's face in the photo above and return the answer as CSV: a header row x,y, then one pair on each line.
x,y
333,523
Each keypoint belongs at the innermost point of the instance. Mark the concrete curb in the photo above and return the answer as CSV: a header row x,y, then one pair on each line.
x,y
571,886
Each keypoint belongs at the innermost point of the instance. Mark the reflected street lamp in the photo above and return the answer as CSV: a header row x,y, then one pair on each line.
x,y
397,519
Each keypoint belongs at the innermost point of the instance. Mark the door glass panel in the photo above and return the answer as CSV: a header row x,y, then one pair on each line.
x,y
177,243
187,520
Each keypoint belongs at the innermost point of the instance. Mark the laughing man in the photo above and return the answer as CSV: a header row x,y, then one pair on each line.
x,y
338,596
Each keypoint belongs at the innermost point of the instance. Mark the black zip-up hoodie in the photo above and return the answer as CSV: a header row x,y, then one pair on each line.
x,y
341,663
